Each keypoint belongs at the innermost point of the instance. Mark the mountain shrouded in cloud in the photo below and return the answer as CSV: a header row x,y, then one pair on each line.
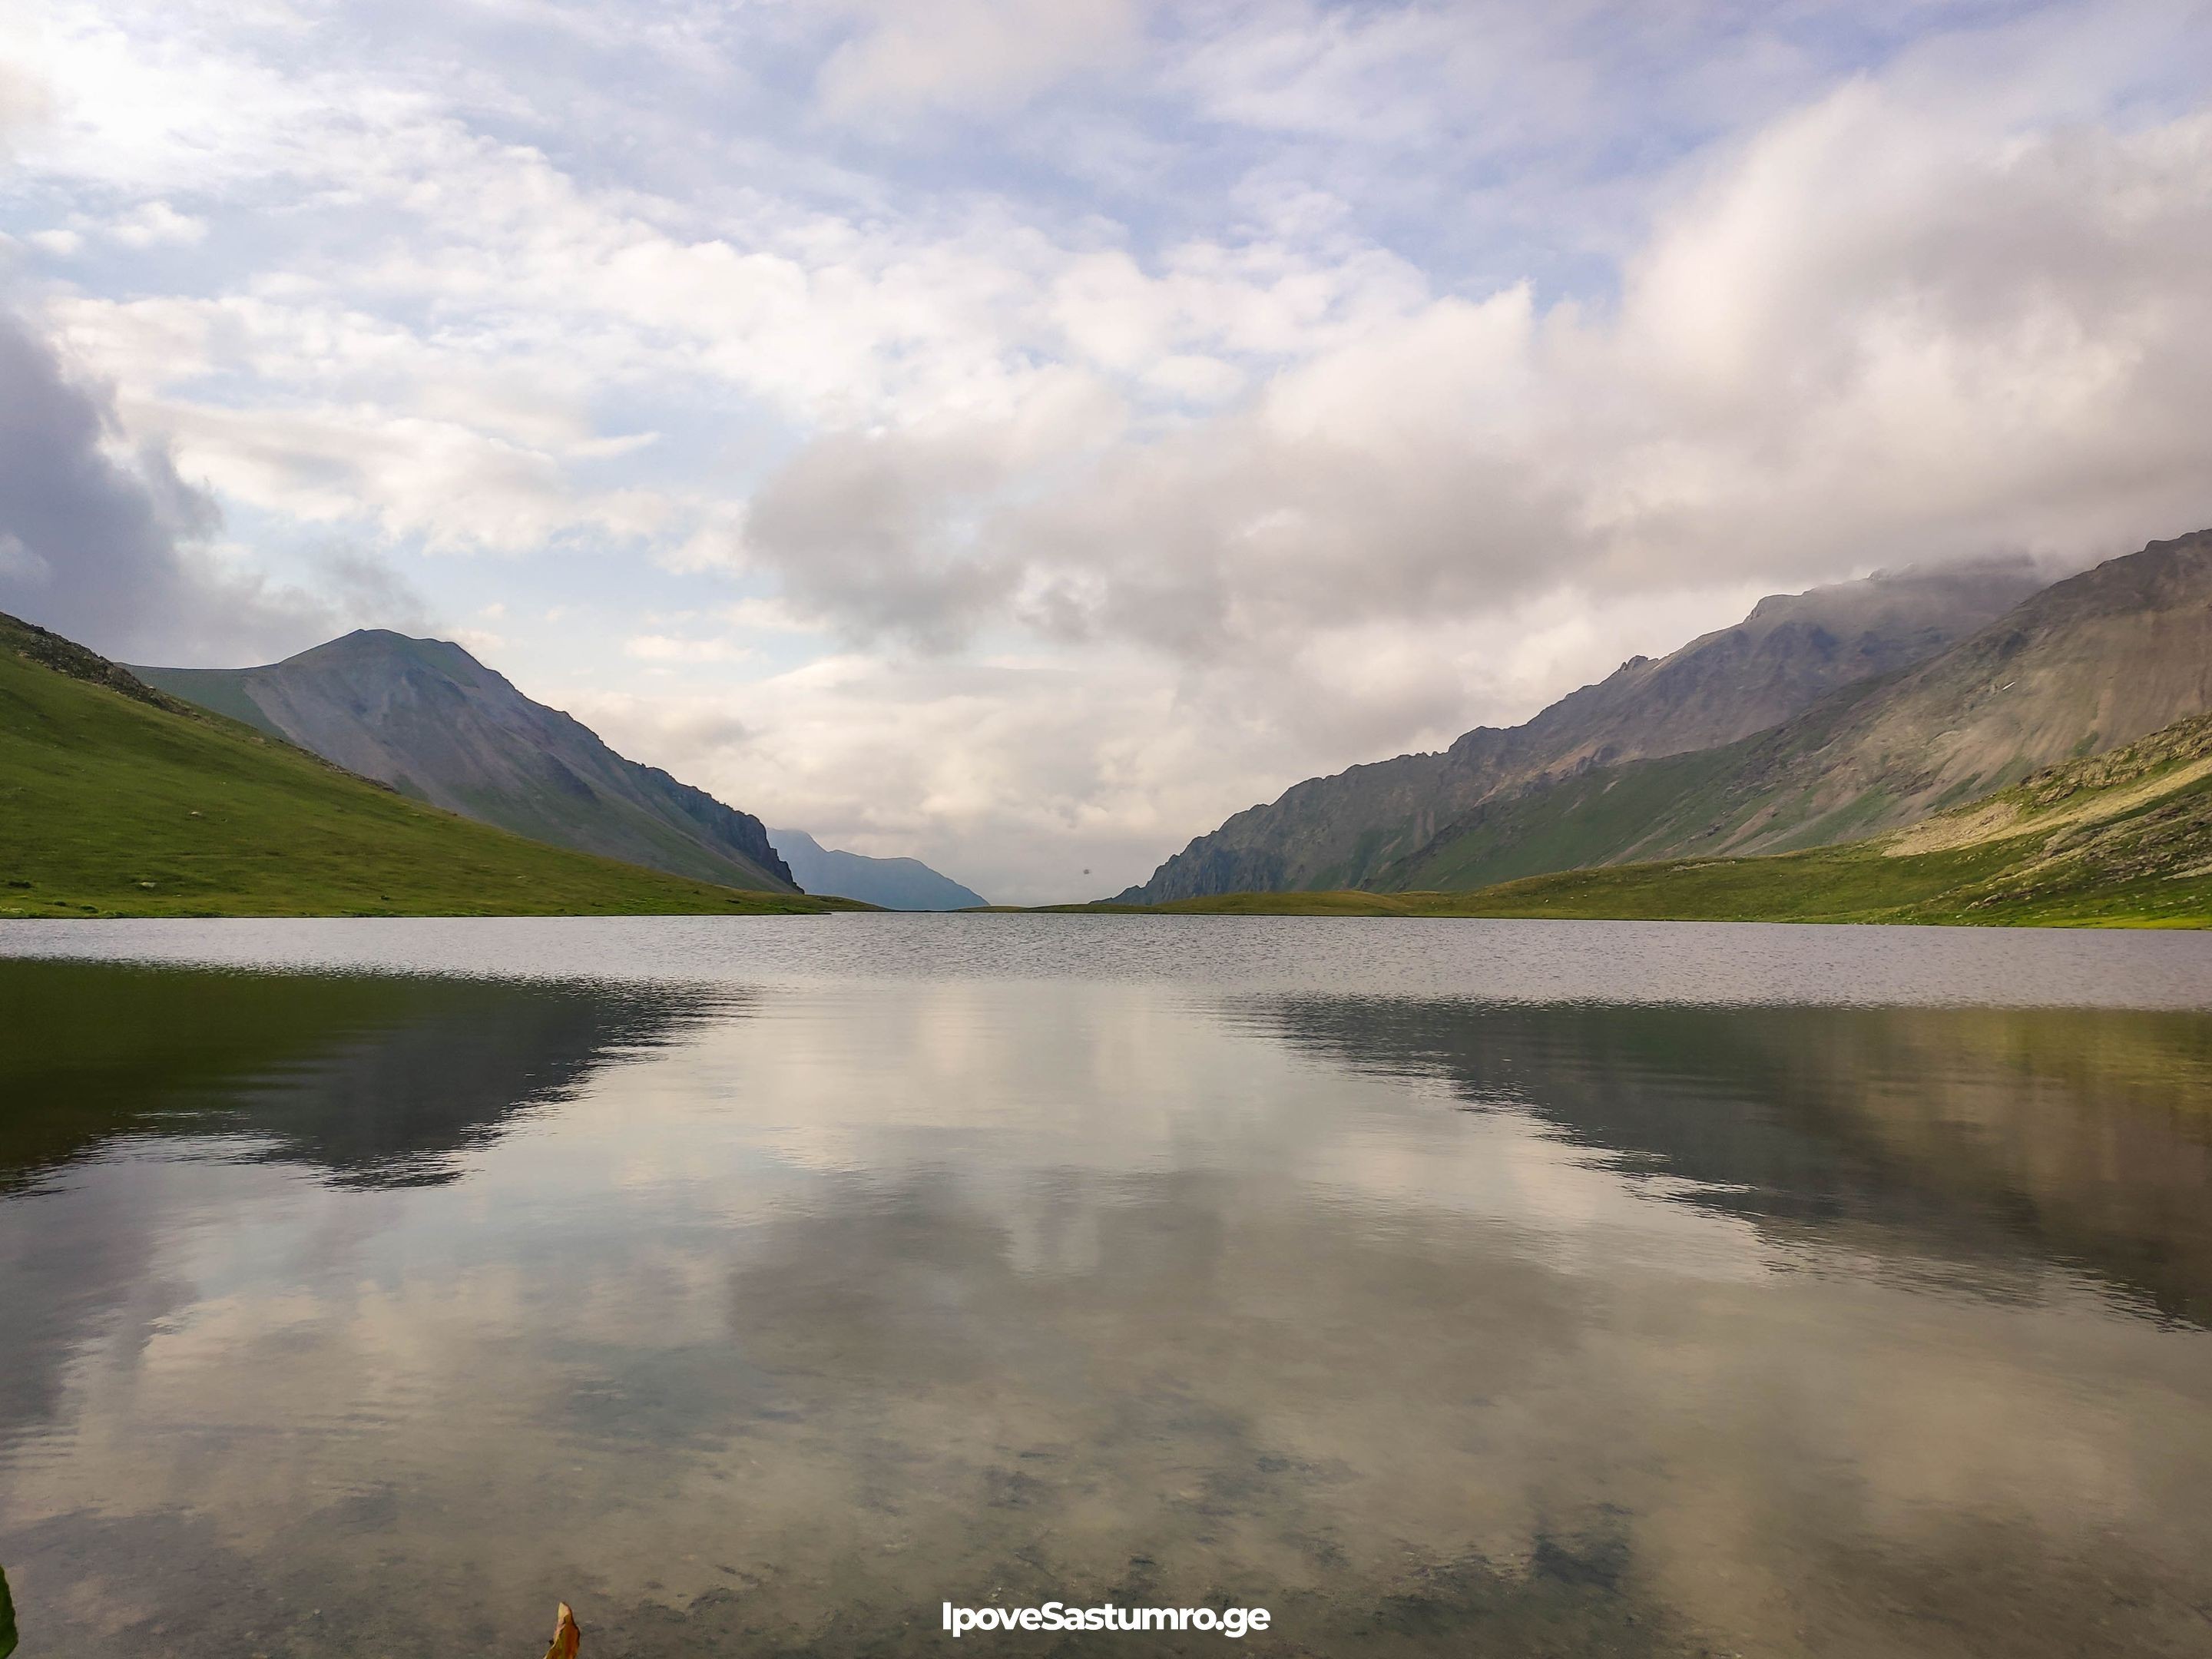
x,y
1354,828
1821,718
1058,427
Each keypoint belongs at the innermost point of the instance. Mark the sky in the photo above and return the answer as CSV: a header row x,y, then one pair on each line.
x,y
1019,435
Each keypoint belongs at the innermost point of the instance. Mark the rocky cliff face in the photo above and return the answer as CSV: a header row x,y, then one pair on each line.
x,y
2088,664
1792,650
430,719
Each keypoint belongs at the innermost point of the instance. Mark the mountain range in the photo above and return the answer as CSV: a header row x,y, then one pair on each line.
x,y
1821,717
427,718
116,798
2090,663
889,883
2123,838
1957,746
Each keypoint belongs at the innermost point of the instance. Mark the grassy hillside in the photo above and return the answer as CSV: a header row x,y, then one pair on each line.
x,y
1598,816
116,799
2124,839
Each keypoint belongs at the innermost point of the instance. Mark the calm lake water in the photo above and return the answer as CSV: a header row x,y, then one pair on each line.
x,y
1446,1287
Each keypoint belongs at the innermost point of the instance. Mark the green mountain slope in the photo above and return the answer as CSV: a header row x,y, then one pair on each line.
x,y
117,799
2093,661
2123,839
430,719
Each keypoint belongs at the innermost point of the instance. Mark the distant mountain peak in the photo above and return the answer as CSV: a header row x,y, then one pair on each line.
x,y
896,884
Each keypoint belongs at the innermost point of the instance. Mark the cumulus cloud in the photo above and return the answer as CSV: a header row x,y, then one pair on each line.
x,y
876,530
109,545
1018,772
98,545
670,648
360,590
1890,329
154,223
25,103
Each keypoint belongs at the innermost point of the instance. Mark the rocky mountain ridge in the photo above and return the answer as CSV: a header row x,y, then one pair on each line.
x,y
2084,666
1349,828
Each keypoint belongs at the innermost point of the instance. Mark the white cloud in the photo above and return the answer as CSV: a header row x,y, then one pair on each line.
x,y
1017,773
25,101
107,542
961,55
151,224
667,648
1309,69
1887,330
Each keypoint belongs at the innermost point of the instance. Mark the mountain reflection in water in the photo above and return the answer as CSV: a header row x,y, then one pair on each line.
x,y
2069,1136
372,1081
369,1313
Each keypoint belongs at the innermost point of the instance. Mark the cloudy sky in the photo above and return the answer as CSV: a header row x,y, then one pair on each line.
x,y
1021,434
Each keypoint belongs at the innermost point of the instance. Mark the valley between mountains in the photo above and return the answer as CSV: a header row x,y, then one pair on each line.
x,y
1957,746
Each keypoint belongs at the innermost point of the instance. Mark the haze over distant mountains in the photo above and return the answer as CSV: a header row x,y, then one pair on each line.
x,y
894,884
430,719
1345,831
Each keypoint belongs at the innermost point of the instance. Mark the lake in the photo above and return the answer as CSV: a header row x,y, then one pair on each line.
x,y
759,1285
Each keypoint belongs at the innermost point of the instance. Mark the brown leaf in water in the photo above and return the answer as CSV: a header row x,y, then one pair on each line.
x,y
567,1638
